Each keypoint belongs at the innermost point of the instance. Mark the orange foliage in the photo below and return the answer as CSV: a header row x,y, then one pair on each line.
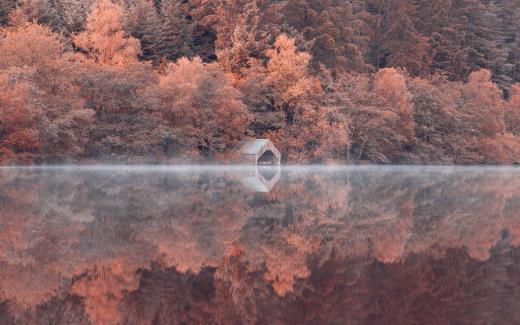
x,y
393,95
383,121
482,104
255,78
103,289
28,45
19,134
104,38
316,134
285,266
200,100
287,72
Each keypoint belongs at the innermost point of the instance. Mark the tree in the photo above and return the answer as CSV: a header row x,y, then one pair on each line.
x,y
19,134
245,47
481,104
176,36
43,12
6,6
484,39
382,127
508,16
28,45
316,134
393,95
262,20
512,111
66,121
32,59
104,39
336,31
287,73
446,32
469,35
396,41
73,14
308,122
477,109
128,125
432,115
144,23
200,102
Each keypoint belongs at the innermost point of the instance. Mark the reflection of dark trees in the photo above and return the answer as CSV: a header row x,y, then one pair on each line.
x,y
362,246
422,289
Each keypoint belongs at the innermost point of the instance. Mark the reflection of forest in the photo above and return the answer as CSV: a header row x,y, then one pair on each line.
x,y
362,245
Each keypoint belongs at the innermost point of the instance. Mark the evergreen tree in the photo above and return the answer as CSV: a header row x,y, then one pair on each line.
x,y
175,37
446,34
43,12
6,6
334,29
396,41
508,13
485,39
144,23
74,14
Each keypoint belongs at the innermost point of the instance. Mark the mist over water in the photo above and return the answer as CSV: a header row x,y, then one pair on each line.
x,y
237,244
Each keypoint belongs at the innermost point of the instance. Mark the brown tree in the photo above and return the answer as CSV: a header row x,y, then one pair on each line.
x,y
287,73
104,38
28,45
19,134
201,103
383,127
50,90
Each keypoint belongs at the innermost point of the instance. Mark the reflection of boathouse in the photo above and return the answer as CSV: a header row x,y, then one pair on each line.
x,y
259,152
261,178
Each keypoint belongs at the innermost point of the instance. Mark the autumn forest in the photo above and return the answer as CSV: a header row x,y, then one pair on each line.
x,y
383,81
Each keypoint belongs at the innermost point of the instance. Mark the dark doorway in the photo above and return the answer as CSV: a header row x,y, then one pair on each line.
x,y
267,158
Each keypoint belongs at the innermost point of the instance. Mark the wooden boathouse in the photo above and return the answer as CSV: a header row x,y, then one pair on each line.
x,y
259,152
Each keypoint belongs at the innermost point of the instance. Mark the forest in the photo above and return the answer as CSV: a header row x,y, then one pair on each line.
x,y
328,81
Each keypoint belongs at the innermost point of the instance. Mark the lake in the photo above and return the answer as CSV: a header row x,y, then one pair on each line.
x,y
239,245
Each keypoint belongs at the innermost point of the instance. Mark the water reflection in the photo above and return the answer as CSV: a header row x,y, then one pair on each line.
x,y
261,178
359,245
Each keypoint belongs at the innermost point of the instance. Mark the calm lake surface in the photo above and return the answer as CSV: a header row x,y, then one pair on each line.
x,y
203,245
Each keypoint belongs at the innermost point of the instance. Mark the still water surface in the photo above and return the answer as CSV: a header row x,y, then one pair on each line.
x,y
203,245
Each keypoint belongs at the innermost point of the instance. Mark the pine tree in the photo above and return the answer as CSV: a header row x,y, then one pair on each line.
x,y
467,35
6,6
334,30
508,13
144,23
446,37
74,14
396,41
175,38
485,40
43,12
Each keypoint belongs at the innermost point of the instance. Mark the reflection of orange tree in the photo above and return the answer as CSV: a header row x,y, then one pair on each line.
x,y
21,280
199,230
295,215
316,236
78,226
473,210
103,287
286,262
